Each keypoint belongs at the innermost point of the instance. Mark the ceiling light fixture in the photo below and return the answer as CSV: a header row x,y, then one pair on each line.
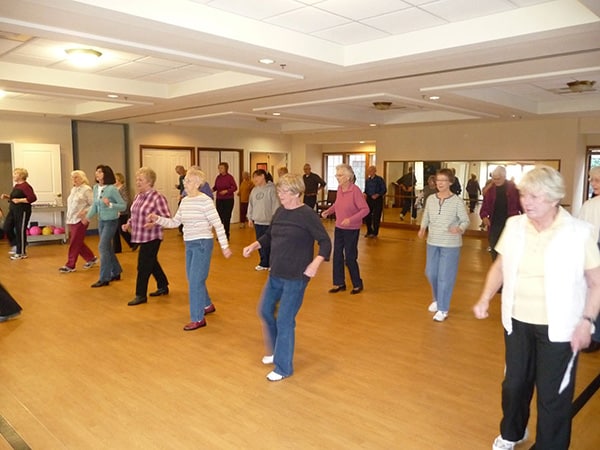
x,y
266,61
372,124
2,93
112,96
276,114
83,57
434,97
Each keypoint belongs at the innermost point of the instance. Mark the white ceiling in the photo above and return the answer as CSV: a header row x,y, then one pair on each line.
x,y
195,62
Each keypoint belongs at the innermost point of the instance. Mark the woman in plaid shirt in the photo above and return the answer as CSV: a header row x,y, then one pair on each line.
x,y
146,202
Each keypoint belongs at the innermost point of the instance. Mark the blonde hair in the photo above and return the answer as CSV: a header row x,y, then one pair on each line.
x,y
81,174
23,174
120,177
292,183
545,180
148,173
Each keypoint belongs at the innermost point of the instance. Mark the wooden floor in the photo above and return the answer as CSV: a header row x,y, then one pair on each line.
x,y
82,370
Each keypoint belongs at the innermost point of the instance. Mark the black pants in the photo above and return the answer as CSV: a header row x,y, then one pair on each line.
x,y
408,204
148,265
473,202
224,209
8,305
310,200
373,219
123,218
494,233
533,361
15,227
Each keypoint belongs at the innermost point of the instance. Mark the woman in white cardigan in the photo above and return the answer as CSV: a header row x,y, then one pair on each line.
x,y
549,267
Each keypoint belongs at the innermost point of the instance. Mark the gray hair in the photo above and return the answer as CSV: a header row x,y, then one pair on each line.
x,y
594,172
347,170
499,171
544,180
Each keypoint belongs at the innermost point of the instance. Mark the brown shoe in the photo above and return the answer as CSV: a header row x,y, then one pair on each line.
x,y
195,325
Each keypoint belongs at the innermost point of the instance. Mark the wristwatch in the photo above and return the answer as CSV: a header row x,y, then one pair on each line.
x,y
592,323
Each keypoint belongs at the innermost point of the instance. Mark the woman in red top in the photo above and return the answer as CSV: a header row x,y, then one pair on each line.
x,y
225,186
19,213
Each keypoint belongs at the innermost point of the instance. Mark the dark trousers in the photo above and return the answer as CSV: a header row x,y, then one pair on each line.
x,y
8,305
473,202
123,218
493,236
265,253
408,204
345,251
310,200
148,265
533,361
15,227
374,217
224,209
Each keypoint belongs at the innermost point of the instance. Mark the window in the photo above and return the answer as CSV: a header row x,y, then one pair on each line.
x,y
358,161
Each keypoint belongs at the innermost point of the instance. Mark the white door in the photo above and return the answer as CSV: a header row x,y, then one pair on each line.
x,y
42,162
163,162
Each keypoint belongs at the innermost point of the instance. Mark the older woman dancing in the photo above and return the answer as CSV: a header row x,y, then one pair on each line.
x,y
549,266
291,237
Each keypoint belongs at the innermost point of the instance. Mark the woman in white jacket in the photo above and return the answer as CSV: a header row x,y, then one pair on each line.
x,y
549,267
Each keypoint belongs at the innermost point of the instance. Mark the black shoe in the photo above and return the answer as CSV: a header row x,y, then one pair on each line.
x,y
159,292
134,247
356,290
116,278
100,283
336,289
138,301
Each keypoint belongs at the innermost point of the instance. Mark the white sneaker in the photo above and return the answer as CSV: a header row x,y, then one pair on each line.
x,y
13,250
17,256
503,444
91,263
267,359
66,269
259,268
432,307
274,376
440,316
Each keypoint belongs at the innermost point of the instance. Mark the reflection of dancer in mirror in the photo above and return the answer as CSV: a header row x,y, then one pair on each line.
x,y
407,184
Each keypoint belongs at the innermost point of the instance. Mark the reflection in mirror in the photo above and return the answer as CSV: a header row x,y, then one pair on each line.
x,y
407,185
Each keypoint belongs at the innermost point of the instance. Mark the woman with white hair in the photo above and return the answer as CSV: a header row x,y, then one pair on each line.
x,y
78,203
350,208
549,265
198,216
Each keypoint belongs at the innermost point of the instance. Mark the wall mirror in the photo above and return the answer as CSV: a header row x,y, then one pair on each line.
x,y
399,201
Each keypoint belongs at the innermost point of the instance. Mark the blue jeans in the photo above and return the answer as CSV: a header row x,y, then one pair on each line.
x,y
264,253
280,327
197,263
109,264
441,269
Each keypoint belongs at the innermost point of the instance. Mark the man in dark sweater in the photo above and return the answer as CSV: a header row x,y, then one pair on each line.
x,y
313,183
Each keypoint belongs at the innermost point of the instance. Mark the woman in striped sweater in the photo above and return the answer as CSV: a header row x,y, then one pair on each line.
x,y
446,218
198,215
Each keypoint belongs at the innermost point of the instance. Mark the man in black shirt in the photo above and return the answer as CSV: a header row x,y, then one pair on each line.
x,y
313,183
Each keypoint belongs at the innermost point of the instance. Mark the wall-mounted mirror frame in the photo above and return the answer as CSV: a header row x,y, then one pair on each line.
x,y
398,200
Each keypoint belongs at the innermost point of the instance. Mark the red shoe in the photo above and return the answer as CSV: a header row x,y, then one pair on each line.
x,y
209,309
195,325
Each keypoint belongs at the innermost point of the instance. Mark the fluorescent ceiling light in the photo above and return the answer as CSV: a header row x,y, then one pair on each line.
x,y
266,61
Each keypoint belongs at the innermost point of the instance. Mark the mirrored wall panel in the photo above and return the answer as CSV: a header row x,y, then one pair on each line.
x,y
406,181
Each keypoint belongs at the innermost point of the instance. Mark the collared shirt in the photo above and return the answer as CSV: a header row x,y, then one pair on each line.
x,y
375,185
312,183
80,199
144,204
